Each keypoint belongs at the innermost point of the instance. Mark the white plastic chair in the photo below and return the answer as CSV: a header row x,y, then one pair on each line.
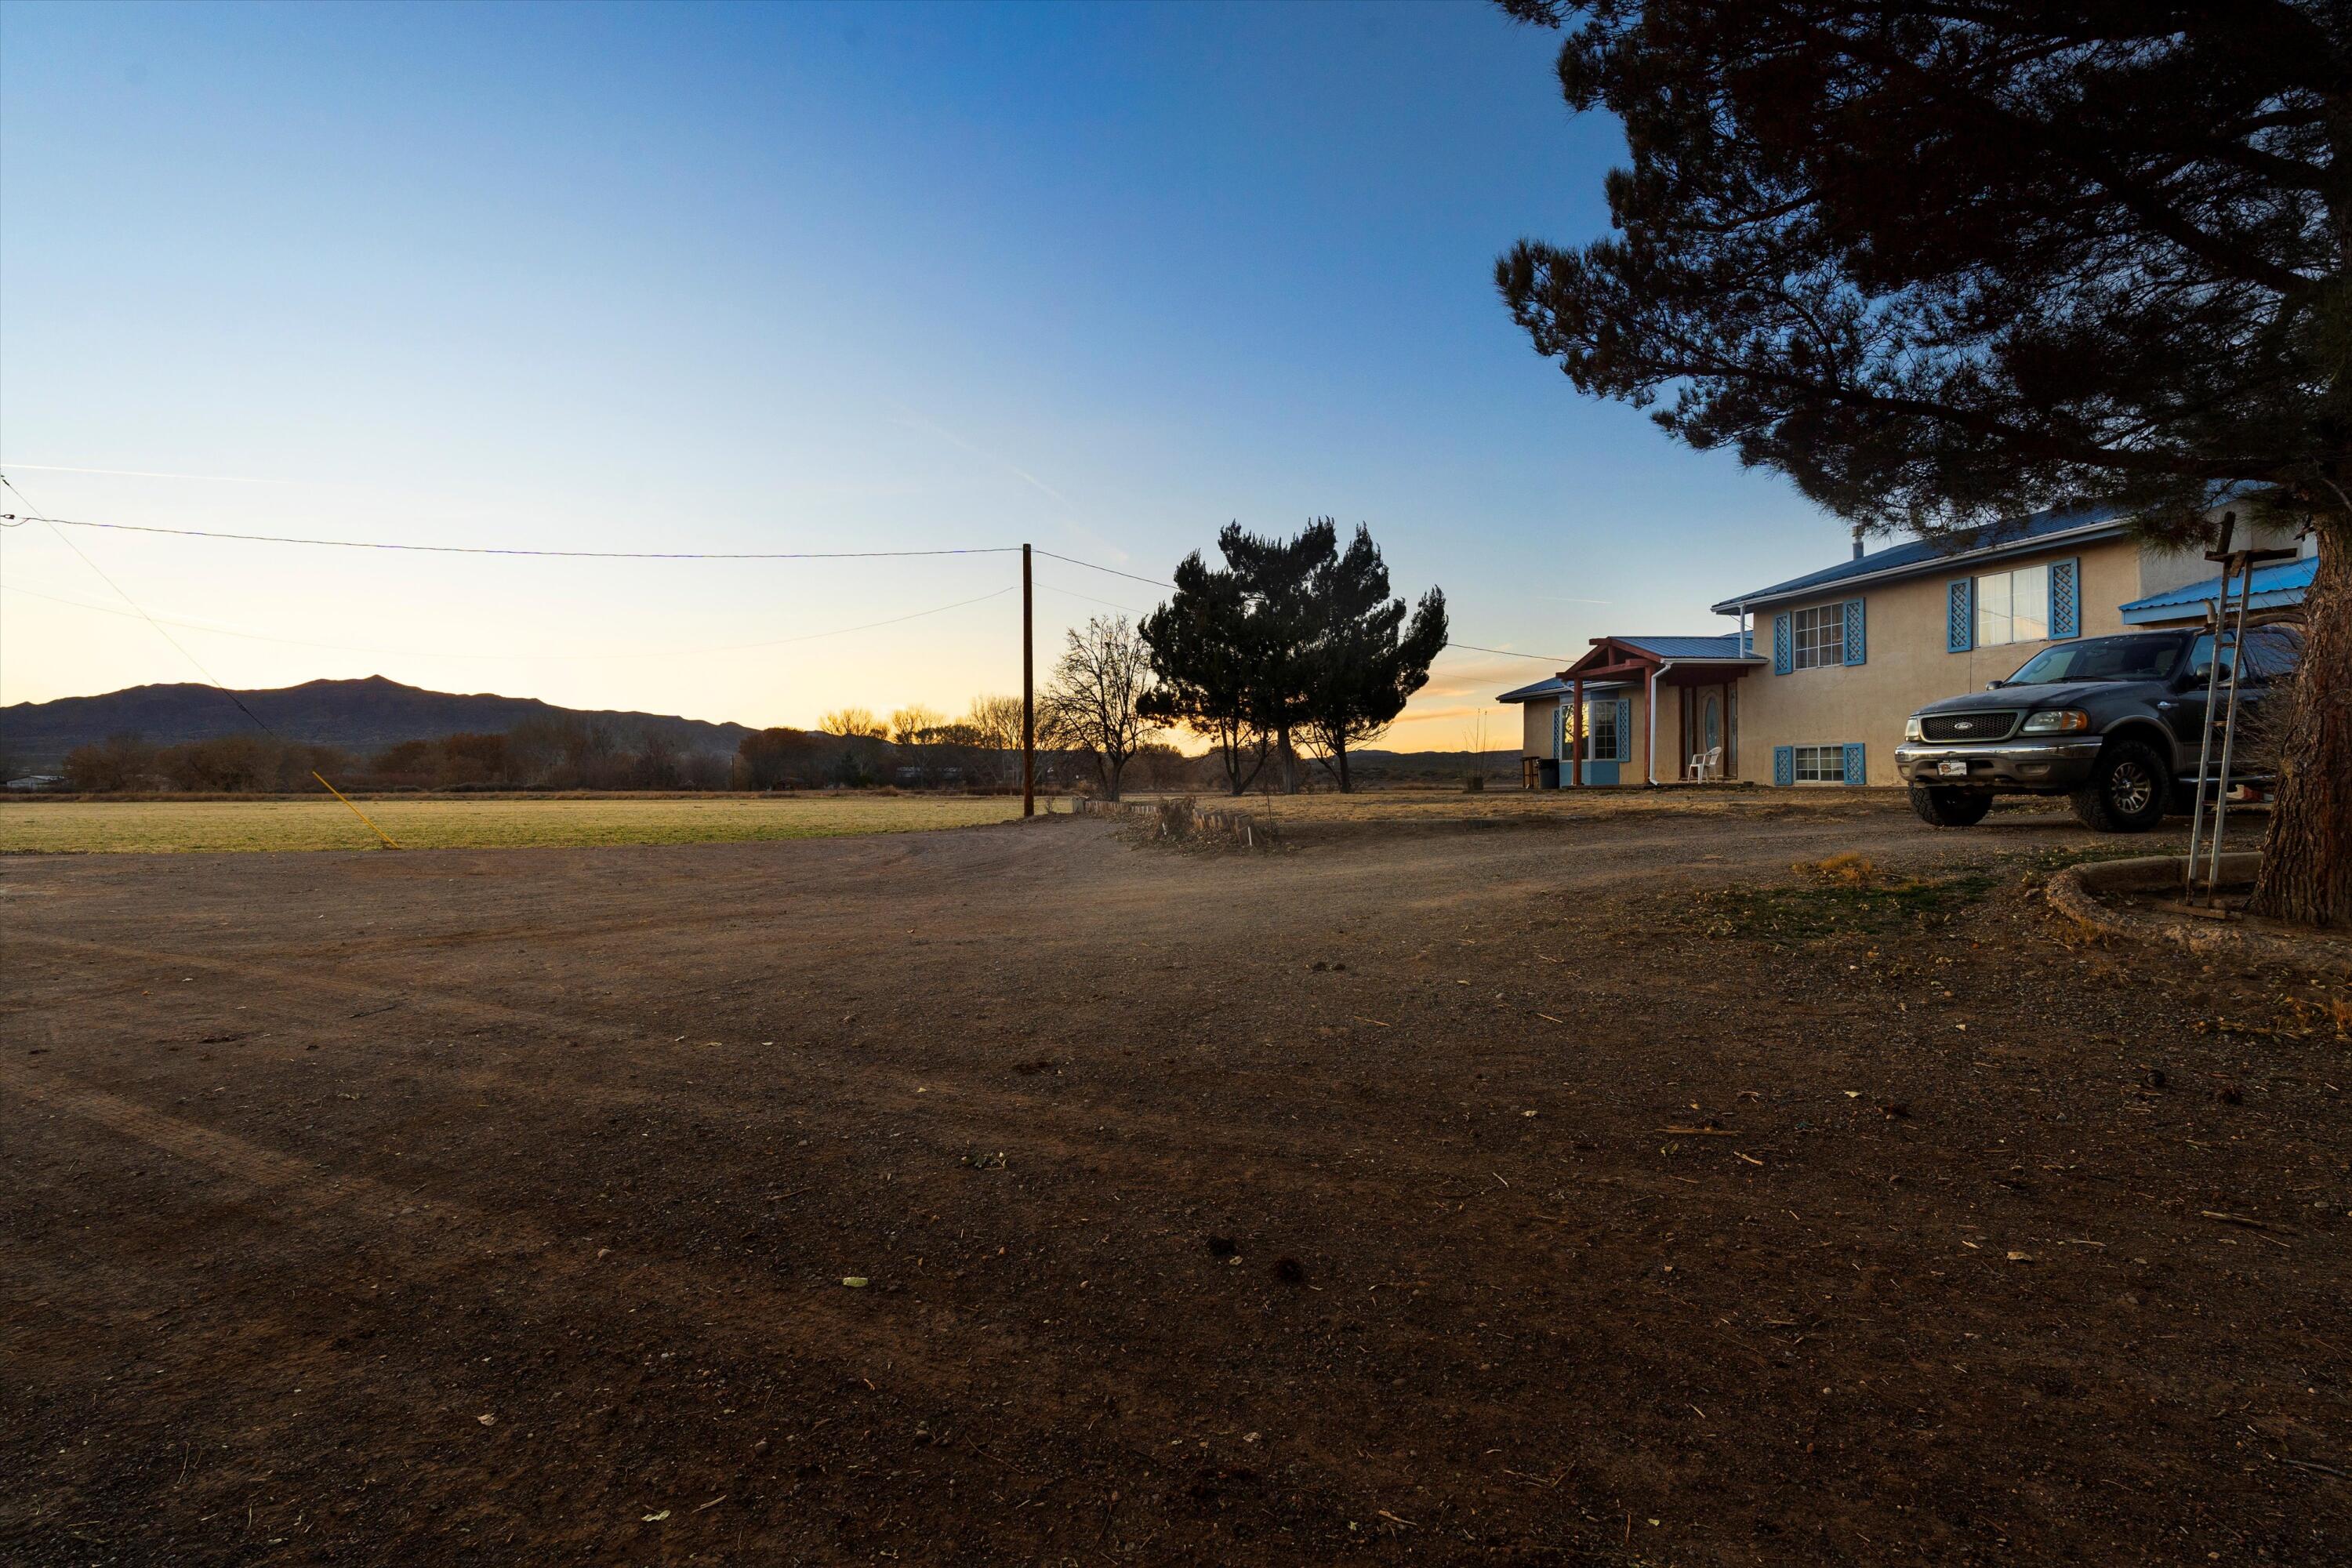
x,y
1712,758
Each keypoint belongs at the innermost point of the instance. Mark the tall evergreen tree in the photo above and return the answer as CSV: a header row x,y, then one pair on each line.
x,y
1278,579
1365,660
1205,667
1946,263
1289,640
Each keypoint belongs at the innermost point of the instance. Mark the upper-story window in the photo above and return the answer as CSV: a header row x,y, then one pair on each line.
x,y
1819,636
2013,607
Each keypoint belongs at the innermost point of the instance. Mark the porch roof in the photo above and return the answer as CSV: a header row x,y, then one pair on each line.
x,y
1728,646
1616,662
1639,657
1551,685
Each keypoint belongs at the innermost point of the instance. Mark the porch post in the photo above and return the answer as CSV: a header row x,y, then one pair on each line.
x,y
1575,738
1724,739
1650,740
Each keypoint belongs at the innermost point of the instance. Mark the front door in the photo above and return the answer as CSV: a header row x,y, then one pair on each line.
x,y
1603,741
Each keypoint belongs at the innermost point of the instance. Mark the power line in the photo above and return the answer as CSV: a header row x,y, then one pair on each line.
x,y
440,653
213,682
67,540
1155,582
1090,598
1507,653
11,518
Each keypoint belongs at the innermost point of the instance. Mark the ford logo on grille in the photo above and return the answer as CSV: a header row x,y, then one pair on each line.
x,y
1963,724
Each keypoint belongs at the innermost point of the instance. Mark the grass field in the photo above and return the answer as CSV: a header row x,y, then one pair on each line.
x,y
152,826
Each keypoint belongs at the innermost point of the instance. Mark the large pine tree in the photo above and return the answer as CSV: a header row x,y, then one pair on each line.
x,y
1947,263
1367,659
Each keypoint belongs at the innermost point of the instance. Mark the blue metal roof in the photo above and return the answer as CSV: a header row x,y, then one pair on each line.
x,y
1552,686
1727,646
1927,555
2280,582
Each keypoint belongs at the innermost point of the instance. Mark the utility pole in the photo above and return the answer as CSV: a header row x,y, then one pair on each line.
x,y
1028,696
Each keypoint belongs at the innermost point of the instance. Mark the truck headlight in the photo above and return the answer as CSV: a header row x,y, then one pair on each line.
x,y
2056,721
1911,731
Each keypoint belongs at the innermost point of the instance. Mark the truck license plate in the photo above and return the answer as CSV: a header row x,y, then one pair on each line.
x,y
1953,768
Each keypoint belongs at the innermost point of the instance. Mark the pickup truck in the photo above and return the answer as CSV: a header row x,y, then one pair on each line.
x,y
2112,723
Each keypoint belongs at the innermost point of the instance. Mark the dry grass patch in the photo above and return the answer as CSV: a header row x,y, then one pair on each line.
x,y
151,826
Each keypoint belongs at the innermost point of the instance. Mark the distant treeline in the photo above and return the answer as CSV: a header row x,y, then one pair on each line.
x,y
538,754
914,748
587,755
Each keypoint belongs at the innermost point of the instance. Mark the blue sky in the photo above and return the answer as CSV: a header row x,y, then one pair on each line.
x,y
800,278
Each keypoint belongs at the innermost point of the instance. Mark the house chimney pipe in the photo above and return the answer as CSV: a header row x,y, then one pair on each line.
x,y
1857,542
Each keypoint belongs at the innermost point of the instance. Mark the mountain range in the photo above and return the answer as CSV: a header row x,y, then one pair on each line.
x,y
365,716
361,716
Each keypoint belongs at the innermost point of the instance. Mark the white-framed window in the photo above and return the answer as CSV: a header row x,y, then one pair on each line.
x,y
1819,636
1821,764
1600,728
2013,607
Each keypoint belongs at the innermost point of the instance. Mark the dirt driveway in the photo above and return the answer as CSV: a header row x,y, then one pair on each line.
x,y
1436,1194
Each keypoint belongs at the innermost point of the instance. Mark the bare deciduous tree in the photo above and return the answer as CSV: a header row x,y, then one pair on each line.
x,y
853,723
915,724
1094,704
996,723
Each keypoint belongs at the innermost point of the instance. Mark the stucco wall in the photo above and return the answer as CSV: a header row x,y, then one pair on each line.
x,y
1534,728
1907,663
2161,570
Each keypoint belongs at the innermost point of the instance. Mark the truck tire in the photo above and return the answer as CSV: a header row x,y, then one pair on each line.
x,y
1950,807
2127,791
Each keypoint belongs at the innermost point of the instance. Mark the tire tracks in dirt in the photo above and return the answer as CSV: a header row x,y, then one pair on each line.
x,y
440,1237
1071,1124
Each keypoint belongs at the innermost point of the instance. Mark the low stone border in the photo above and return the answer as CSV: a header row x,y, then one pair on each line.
x,y
2073,892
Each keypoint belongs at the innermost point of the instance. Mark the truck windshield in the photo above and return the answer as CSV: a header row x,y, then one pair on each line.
x,y
2139,657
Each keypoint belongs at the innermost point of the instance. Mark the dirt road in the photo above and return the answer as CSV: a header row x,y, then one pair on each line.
x,y
1417,1194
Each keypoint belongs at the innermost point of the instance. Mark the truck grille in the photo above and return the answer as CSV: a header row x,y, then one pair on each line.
x,y
1996,724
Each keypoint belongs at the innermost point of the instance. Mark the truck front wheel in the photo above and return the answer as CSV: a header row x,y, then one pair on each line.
x,y
2126,790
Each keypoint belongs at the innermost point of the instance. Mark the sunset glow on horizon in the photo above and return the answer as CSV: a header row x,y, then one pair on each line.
x,y
802,279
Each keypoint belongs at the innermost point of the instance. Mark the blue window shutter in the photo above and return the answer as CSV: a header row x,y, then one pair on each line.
x,y
1960,615
1784,655
1854,651
1856,772
1559,733
2066,599
1624,728
1784,764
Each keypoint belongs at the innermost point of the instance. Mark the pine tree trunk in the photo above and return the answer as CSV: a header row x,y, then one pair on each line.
x,y
2306,870
1339,751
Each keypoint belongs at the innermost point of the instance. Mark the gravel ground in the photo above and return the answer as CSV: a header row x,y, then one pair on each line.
x,y
1533,1192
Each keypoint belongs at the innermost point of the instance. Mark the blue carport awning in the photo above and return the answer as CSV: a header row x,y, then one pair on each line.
x,y
2280,584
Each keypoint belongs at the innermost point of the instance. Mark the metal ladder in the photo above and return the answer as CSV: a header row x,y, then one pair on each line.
x,y
2220,707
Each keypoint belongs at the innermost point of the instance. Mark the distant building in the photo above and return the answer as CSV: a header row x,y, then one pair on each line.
x,y
32,783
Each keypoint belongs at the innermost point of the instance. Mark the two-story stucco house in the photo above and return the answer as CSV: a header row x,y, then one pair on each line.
x,y
1854,649
1816,684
